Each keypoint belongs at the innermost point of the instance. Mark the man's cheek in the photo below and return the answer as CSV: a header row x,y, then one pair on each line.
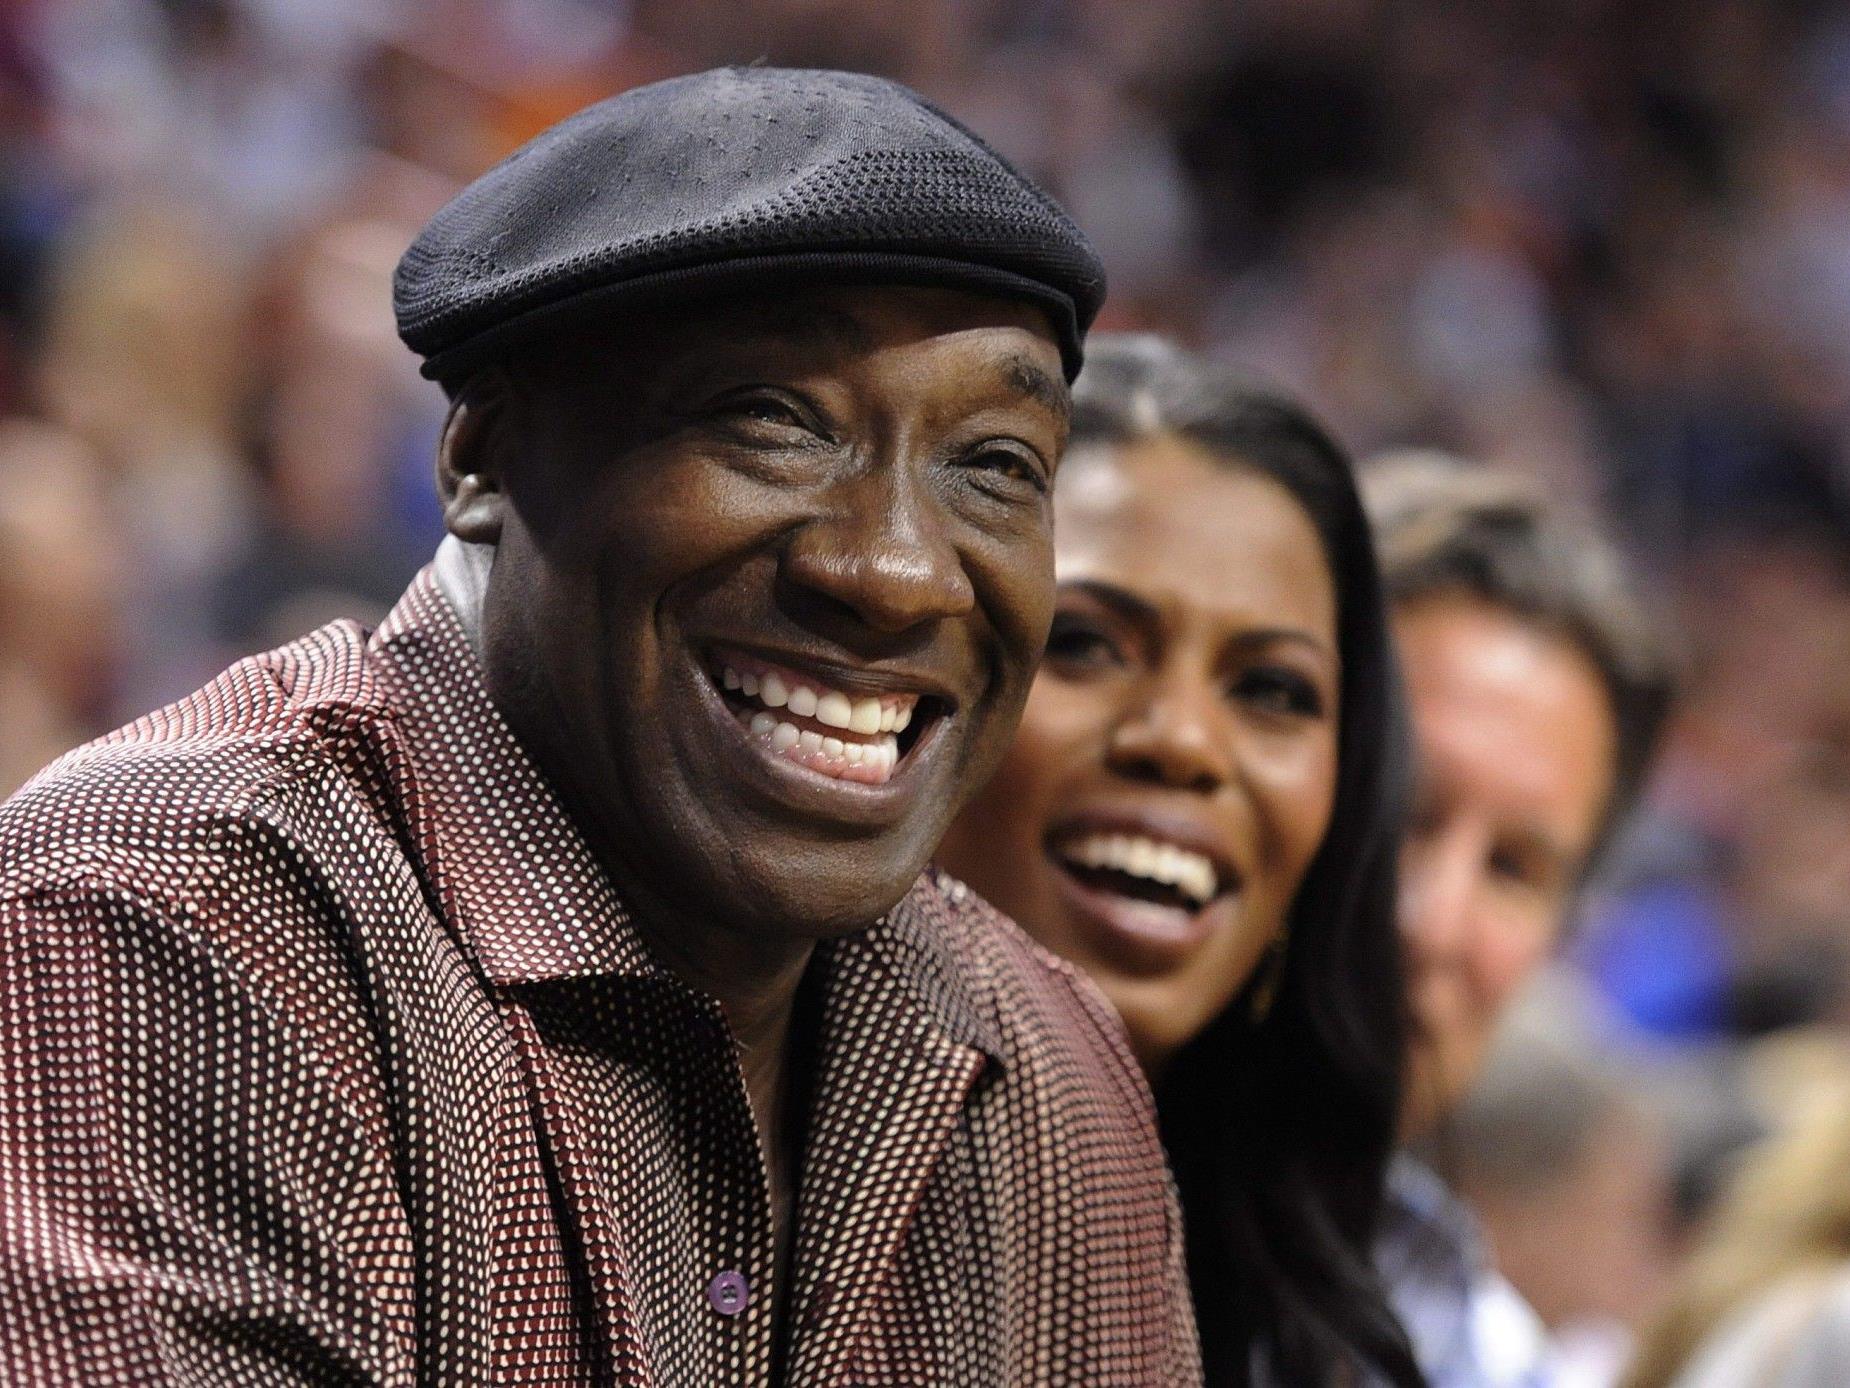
x,y
1508,963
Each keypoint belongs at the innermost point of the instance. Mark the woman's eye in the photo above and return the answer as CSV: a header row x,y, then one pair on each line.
x,y
1076,644
1280,691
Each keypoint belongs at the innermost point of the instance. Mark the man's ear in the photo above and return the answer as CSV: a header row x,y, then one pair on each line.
x,y
471,455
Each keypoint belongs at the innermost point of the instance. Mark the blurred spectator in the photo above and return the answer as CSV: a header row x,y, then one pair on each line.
x,y
1766,1298
59,594
1536,688
1569,1171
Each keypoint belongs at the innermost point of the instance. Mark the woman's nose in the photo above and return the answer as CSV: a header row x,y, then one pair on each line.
x,y
1176,736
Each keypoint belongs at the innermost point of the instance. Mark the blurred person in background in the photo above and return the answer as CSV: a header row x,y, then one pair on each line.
x,y
1727,917
1536,689
1557,1152
60,596
1200,809
1764,1302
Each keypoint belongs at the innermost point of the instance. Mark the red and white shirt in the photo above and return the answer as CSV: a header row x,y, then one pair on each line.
x,y
328,1055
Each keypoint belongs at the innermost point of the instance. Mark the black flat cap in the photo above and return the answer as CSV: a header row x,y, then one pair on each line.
x,y
739,178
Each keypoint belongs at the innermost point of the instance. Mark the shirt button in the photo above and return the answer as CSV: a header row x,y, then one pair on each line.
x,y
729,1292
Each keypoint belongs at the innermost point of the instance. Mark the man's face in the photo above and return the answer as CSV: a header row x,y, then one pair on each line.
x,y
1515,747
769,587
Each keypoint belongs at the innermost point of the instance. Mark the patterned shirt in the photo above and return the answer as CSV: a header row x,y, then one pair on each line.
x,y
328,1054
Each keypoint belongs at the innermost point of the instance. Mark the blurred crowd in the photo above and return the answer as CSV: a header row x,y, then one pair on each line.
x,y
1606,242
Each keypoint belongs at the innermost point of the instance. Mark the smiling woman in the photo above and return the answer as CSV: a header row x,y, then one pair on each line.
x,y
1200,809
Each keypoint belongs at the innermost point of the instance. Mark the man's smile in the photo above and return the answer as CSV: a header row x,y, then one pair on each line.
x,y
853,728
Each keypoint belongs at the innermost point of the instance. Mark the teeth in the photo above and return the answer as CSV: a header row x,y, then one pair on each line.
x,y
1150,859
1141,860
834,711
866,717
808,741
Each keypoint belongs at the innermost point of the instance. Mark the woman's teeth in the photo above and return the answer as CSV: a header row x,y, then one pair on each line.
x,y
867,754
1151,859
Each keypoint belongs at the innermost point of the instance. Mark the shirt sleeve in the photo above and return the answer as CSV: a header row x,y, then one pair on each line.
x,y
1185,1336
184,1200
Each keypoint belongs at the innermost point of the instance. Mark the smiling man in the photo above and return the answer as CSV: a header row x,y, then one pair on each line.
x,y
543,988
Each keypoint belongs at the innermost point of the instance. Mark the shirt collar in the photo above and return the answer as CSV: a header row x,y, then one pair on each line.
x,y
522,885
925,943
509,866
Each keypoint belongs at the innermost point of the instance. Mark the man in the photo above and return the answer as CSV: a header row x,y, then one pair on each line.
x,y
1536,692
543,988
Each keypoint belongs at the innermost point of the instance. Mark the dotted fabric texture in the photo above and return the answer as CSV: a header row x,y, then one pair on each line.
x,y
730,179
331,1057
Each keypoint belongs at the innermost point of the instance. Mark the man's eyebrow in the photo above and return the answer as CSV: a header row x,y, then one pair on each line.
x,y
1027,377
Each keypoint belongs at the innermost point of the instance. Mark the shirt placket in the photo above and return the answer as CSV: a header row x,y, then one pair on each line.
x,y
730,1281
669,1198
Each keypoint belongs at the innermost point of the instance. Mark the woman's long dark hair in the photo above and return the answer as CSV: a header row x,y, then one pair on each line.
x,y
1280,1130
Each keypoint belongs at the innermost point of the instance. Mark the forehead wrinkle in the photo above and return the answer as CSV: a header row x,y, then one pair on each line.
x,y
1026,377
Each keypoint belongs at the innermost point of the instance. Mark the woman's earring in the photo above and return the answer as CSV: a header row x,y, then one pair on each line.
x,y
1271,970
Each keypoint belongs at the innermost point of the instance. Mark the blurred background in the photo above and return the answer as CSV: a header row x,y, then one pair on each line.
x,y
1607,243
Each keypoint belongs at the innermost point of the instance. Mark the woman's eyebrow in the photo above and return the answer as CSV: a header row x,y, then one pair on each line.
x,y
1137,609
1292,636
1120,600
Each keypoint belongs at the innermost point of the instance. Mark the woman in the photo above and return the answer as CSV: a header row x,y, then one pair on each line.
x,y
1200,809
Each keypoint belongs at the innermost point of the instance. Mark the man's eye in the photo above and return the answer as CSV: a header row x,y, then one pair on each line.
x,y
1077,644
1278,690
767,409
1014,464
1528,868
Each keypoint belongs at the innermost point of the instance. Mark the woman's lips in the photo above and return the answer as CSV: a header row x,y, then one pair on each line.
x,y
1141,937
1191,875
1143,899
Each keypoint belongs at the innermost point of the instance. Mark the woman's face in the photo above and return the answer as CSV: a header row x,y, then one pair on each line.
x,y
1176,764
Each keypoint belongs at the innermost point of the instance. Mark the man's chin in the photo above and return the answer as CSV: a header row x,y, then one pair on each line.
x,y
1437,1082
812,910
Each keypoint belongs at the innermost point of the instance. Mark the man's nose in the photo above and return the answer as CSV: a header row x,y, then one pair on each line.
x,y
1176,734
1439,879
880,551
